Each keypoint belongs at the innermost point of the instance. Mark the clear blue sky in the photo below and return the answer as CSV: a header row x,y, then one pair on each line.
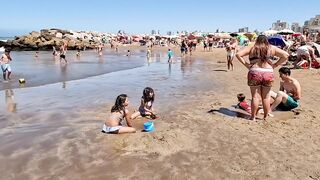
x,y
141,16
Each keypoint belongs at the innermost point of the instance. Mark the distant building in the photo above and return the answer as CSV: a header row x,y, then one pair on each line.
x,y
243,30
169,33
296,27
278,26
153,32
313,25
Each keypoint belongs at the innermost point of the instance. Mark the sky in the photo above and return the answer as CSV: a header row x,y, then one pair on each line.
x,y
20,17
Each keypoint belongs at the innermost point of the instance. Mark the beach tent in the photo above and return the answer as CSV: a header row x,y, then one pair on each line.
x,y
277,41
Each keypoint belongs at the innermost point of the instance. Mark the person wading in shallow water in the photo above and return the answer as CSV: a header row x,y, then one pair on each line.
x,y
5,66
63,50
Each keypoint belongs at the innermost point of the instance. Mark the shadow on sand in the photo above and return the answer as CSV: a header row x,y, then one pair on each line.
x,y
230,113
220,70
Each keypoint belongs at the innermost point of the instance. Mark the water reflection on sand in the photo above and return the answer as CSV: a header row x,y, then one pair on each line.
x,y
54,129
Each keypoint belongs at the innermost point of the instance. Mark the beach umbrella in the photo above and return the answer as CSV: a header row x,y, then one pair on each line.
x,y
286,32
191,37
210,35
250,36
233,34
270,32
296,34
277,41
222,35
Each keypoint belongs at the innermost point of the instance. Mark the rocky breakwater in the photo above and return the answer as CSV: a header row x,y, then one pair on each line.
x,y
47,38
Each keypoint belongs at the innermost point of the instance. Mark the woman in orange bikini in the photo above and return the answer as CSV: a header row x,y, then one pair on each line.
x,y
260,75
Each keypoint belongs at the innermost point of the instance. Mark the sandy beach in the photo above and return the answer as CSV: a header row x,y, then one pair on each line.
x,y
55,132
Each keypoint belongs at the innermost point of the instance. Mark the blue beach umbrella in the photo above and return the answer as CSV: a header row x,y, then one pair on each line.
x,y
277,41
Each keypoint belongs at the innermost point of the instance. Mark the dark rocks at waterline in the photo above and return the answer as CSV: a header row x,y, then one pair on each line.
x,y
48,38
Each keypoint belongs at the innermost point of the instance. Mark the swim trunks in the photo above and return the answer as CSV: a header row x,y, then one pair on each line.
x,y
5,67
110,130
260,77
291,103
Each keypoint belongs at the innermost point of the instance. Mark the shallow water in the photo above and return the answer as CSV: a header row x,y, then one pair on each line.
x,y
50,127
47,69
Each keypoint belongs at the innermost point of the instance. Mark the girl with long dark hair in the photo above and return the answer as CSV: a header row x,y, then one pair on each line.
x,y
146,106
119,113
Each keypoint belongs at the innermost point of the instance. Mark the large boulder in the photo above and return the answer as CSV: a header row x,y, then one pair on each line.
x,y
35,34
46,38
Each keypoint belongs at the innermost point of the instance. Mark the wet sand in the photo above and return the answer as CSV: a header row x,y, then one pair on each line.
x,y
54,132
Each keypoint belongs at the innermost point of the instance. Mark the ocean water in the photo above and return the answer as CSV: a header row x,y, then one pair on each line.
x,y
6,38
47,69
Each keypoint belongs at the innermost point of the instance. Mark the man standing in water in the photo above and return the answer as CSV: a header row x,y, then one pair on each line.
x,y
63,50
5,66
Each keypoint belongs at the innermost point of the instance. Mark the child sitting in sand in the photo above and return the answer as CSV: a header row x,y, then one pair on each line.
x,y
146,108
242,103
119,112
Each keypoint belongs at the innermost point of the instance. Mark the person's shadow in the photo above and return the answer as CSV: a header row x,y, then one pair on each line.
x,y
231,113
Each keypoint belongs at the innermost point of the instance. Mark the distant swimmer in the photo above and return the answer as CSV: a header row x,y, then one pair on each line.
x,y
128,53
78,52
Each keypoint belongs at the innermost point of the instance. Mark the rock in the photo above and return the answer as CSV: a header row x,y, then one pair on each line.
x,y
35,34
46,38
59,35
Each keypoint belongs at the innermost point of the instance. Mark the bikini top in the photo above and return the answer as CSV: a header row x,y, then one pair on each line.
x,y
252,59
119,115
